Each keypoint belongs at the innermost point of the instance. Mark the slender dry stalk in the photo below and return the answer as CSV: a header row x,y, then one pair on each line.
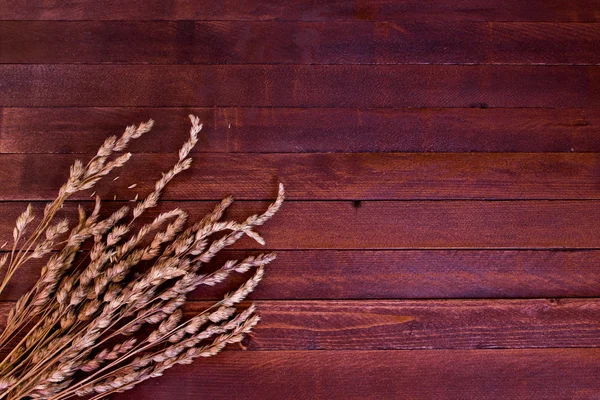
x,y
101,321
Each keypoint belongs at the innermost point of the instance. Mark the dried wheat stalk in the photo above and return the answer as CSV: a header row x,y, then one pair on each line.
x,y
102,321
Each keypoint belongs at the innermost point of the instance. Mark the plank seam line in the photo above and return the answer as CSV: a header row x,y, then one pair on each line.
x,y
306,64
324,20
343,200
421,249
322,152
221,106
465,64
199,153
401,250
210,108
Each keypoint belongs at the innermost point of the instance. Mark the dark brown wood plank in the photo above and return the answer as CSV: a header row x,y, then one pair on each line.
x,y
324,176
400,225
541,43
360,42
300,86
422,324
468,374
384,274
304,10
82,129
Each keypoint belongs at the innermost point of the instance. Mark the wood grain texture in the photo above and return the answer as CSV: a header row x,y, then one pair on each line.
x,y
442,374
342,176
417,324
300,86
449,324
295,130
404,274
361,42
398,224
303,10
408,267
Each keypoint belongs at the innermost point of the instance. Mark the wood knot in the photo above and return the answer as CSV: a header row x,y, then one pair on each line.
x,y
553,302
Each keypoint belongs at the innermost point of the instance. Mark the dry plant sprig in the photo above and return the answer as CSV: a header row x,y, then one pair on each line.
x,y
102,321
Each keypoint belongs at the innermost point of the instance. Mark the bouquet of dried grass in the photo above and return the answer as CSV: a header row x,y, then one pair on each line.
x,y
102,321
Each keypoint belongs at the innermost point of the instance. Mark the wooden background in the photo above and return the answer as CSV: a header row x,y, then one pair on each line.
x,y
442,234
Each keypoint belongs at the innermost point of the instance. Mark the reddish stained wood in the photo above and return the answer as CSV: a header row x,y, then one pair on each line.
x,y
541,43
299,86
374,375
454,324
303,10
399,224
361,42
356,226
384,274
82,129
323,176
420,324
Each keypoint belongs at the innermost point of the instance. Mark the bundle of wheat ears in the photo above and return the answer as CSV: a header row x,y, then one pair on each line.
x,y
101,321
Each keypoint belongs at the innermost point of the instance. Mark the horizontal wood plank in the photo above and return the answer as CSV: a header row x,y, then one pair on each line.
x,y
294,130
303,10
418,324
227,42
323,176
300,85
404,274
398,225
468,374
451,324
